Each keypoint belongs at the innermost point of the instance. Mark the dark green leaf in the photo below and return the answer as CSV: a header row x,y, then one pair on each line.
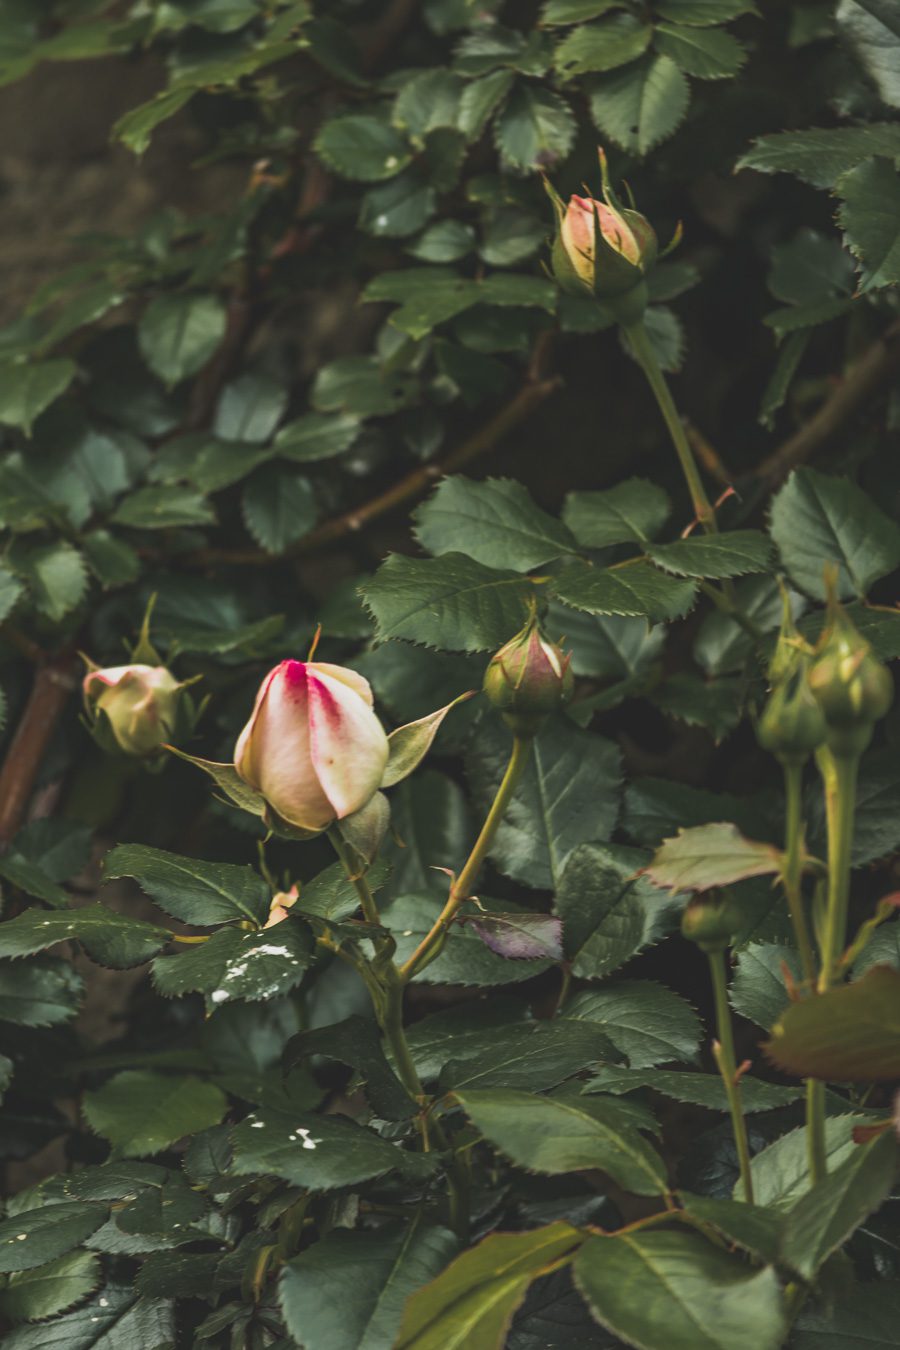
x,y
554,1137
464,959
179,333
821,156
701,1089
531,1057
641,104
753,1228
232,964
452,602
163,508
361,147
826,1216
46,1291
706,53
25,391
356,1043
33,1238
677,1290
535,130
568,795
112,939
633,511
650,1024
200,893
849,1034
320,1153
317,436
250,408
472,1303
279,508
602,46
350,1289
142,1113
705,856
715,555
868,217
863,1317
494,522
40,993
609,911
635,588
758,990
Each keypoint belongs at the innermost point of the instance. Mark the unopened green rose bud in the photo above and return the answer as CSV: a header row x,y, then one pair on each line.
x,y
135,707
528,679
711,921
791,725
852,687
601,248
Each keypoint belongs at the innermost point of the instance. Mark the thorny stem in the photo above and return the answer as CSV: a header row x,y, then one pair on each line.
x,y
643,350
387,1000
461,888
723,1049
357,879
793,865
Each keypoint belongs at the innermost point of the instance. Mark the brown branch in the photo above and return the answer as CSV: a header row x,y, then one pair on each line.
x,y
413,485
52,688
878,364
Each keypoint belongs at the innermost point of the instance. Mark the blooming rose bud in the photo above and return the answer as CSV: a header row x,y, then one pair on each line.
x,y
851,686
138,704
313,747
279,906
601,247
711,921
527,679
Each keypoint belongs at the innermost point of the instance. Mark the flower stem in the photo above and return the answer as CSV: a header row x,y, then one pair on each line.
x,y
357,879
839,780
461,888
723,1049
793,865
642,348
839,772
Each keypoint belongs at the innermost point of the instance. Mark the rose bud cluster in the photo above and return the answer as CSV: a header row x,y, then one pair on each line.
x,y
527,679
601,248
313,747
135,708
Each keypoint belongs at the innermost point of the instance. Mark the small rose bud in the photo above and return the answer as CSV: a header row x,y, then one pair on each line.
x,y
791,725
711,921
313,746
279,906
601,248
852,687
136,707
527,679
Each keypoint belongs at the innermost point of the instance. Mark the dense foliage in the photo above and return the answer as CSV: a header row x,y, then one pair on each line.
x,y
312,1118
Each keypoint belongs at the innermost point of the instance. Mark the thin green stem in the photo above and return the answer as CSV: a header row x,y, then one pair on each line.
x,y
358,879
792,877
840,795
386,988
643,350
815,1130
461,888
723,1050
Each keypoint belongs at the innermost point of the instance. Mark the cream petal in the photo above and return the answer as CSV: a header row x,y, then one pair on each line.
x,y
350,678
348,744
273,751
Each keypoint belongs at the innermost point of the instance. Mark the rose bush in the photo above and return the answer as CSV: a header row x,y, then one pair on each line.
x,y
343,1007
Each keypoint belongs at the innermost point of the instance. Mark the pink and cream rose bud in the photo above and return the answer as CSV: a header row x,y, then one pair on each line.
x,y
528,679
602,248
137,705
313,747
